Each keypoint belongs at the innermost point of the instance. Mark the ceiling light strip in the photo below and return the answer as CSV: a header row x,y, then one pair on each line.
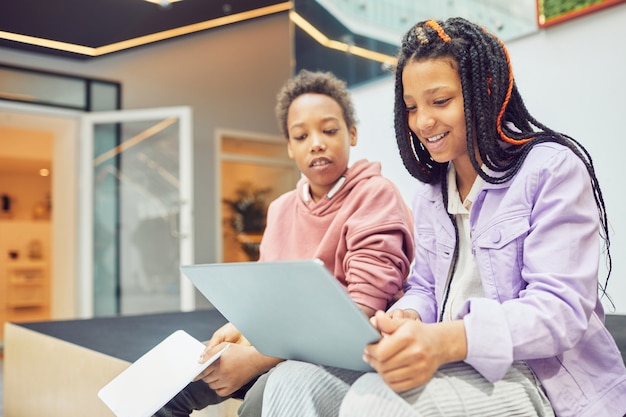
x,y
196,27
143,40
47,43
323,40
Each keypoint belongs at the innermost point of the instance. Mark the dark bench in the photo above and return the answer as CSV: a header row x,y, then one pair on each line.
x,y
129,337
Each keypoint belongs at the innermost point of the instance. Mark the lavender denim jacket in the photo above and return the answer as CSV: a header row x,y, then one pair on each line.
x,y
536,241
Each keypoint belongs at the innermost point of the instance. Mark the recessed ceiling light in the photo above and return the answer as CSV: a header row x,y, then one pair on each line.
x,y
162,3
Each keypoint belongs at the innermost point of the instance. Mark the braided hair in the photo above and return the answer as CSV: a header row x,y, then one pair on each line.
x,y
497,121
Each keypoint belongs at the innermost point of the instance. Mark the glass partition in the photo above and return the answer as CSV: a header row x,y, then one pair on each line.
x,y
378,26
388,20
33,86
136,211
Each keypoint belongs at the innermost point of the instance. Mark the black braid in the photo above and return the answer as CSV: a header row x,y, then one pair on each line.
x,y
455,254
485,72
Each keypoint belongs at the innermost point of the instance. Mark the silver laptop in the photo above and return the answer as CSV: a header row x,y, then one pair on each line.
x,y
289,310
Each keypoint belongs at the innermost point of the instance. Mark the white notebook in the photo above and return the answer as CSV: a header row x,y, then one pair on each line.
x,y
156,377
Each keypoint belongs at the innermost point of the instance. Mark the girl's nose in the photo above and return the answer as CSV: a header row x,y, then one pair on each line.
x,y
424,121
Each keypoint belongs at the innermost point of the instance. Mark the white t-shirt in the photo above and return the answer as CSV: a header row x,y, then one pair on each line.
x,y
466,281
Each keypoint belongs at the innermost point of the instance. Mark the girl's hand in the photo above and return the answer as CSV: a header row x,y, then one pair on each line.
x,y
410,351
404,314
398,314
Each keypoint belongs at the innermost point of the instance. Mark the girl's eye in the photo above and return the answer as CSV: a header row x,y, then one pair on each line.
x,y
442,102
410,109
299,137
330,131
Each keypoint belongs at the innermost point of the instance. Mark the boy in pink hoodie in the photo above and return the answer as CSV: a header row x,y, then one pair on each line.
x,y
351,218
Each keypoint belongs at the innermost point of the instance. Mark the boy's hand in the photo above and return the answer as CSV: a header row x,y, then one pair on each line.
x,y
225,334
237,365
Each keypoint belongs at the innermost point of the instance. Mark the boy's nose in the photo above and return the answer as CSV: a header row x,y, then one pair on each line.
x,y
317,143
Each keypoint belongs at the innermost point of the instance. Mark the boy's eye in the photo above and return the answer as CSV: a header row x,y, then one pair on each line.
x,y
330,131
299,137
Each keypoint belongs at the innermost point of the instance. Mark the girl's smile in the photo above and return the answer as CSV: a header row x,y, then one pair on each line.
x,y
433,97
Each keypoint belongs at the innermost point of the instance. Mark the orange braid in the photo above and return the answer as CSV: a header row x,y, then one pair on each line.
x,y
506,102
435,26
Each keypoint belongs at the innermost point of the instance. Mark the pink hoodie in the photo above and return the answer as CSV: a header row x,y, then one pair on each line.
x,y
363,233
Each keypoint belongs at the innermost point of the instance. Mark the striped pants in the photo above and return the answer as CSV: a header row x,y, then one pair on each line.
x,y
306,390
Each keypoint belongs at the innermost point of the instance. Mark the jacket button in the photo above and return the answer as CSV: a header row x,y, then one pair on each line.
x,y
495,236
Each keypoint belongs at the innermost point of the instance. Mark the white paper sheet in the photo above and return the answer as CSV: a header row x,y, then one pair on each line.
x,y
156,377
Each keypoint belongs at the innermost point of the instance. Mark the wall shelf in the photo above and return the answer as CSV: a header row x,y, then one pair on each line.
x,y
25,288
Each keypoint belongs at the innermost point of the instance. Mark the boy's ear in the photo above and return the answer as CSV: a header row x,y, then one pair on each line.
x,y
353,136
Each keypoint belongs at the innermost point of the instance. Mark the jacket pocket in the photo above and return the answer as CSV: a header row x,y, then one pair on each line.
x,y
437,253
499,251
425,246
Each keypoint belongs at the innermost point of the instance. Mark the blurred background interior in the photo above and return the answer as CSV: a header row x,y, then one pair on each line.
x,y
137,135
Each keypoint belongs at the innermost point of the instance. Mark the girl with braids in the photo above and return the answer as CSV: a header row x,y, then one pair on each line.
x,y
501,314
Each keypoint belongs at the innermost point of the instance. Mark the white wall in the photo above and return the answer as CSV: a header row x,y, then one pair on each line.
x,y
572,79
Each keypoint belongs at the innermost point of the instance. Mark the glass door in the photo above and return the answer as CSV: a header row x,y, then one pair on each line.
x,y
136,205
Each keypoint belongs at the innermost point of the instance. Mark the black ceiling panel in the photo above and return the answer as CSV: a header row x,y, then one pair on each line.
x,y
96,23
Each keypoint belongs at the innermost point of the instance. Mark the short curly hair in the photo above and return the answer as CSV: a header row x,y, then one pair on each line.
x,y
309,82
